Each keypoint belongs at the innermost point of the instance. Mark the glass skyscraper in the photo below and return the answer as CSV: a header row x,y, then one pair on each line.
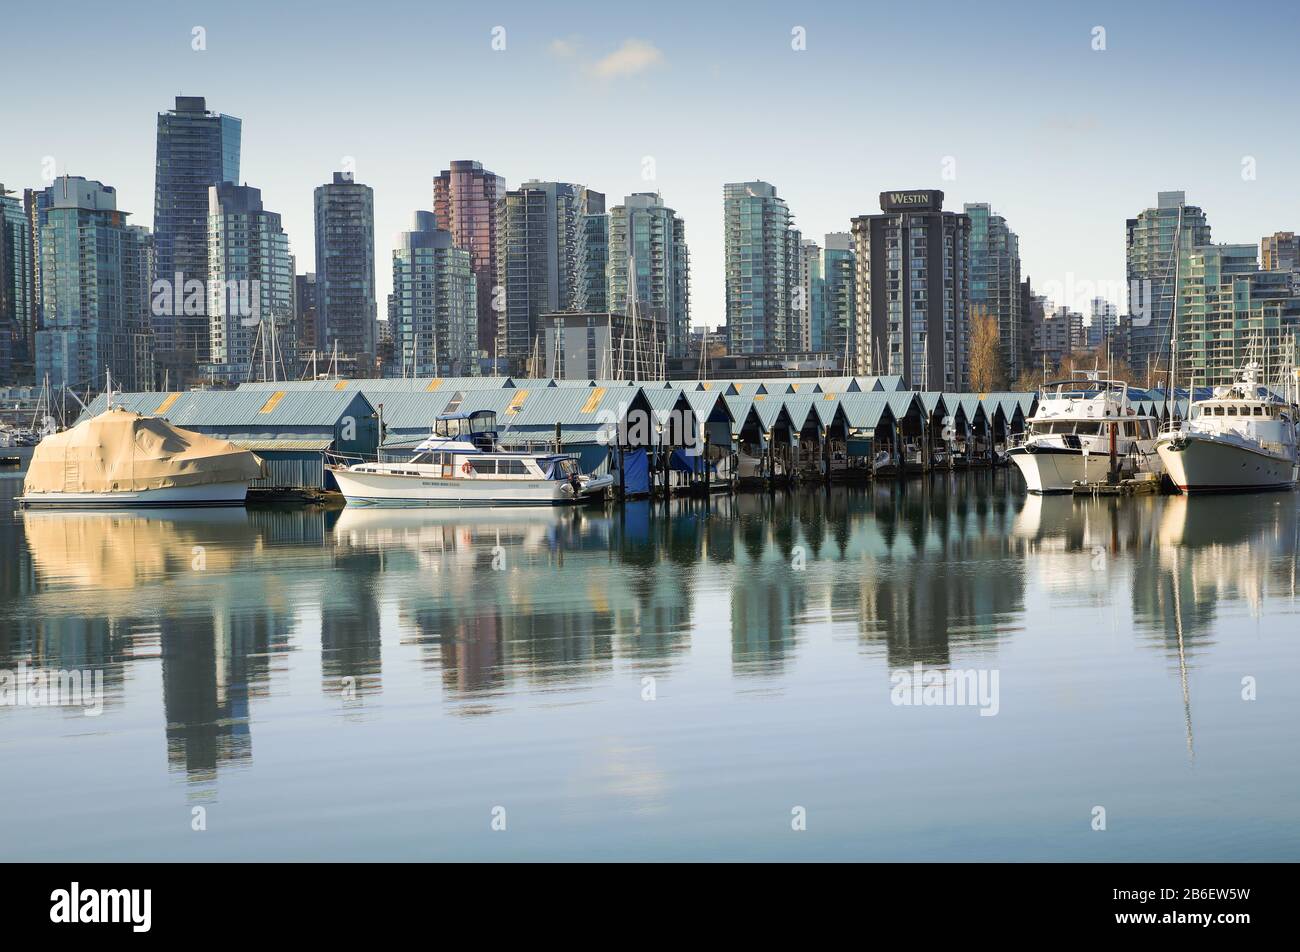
x,y
196,150
1152,263
761,276
812,301
16,282
250,280
433,312
1230,312
591,295
94,286
547,265
838,334
645,231
465,203
995,280
345,271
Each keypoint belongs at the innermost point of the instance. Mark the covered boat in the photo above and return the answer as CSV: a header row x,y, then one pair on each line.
x,y
123,460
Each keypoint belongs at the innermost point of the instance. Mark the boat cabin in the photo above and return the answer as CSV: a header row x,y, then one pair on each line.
x,y
1254,409
1138,428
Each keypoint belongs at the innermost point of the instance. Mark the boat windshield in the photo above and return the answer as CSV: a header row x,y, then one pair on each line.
x,y
450,428
453,427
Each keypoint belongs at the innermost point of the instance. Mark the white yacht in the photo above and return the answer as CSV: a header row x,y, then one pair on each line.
x,y
1240,439
1078,426
461,464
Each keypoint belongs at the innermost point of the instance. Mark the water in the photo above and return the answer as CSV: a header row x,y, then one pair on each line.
x,y
382,684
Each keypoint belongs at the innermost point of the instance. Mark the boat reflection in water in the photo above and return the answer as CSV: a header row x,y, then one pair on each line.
x,y
398,665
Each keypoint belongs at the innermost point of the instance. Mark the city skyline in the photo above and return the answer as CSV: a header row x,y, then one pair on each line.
x,y
1058,163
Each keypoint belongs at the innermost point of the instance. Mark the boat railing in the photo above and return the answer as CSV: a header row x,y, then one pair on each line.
x,y
1173,425
335,458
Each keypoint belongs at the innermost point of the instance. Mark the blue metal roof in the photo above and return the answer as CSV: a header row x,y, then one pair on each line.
x,y
901,403
242,409
932,401
864,411
802,406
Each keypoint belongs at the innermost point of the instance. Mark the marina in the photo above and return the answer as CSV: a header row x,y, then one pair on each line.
x,y
332,440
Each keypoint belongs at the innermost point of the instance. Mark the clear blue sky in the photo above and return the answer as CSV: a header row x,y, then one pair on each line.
x,y
1065,141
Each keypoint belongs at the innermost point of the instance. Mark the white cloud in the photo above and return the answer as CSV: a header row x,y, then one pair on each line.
x,y
564,48
634,56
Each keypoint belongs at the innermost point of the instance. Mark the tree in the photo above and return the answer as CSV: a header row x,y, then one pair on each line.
x,y
986,370
1076,364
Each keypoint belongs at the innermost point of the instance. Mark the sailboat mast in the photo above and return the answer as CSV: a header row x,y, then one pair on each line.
x,y
1173,321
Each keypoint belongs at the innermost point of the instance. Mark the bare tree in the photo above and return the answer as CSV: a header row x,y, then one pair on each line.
x,y
986,370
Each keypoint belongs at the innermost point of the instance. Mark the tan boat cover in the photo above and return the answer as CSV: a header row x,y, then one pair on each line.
x,y
120,451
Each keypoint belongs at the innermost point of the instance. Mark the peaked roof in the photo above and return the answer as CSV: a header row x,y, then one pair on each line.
x,y
865,410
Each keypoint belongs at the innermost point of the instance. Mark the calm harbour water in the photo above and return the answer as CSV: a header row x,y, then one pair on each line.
x,y
374,684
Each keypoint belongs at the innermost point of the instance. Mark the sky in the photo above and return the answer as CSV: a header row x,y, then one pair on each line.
x,y
1066,118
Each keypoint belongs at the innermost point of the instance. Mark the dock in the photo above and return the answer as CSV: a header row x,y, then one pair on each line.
x,y
1141,484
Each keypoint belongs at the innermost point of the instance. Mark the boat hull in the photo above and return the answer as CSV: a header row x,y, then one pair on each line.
x,y
1057,470
174,497
391,489
1198,464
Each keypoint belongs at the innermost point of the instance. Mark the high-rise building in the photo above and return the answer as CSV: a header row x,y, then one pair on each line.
x,y
137,279
345,270
546,262
33,201
592,292
196,150
95,305
1156,240
995,279
761,254
465,203
16,284
1061,332
839,309
1104,321
306,309
1231,312
810,302
253,328
1280,251
913,298
1033,311
646,233
434,303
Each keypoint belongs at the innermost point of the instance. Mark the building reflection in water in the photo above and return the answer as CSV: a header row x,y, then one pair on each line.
x,y
494,603
1182,560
